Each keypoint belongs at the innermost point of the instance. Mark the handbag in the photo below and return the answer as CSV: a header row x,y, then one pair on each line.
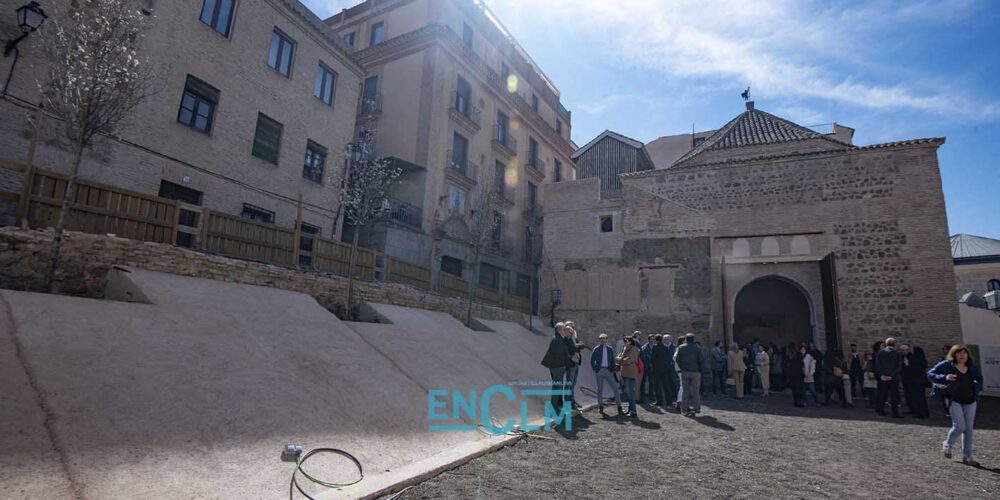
x,y
944,389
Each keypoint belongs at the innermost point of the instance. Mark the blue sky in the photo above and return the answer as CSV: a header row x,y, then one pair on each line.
x,y
892,70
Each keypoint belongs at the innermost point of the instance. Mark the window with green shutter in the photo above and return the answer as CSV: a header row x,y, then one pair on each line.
x,y
267,139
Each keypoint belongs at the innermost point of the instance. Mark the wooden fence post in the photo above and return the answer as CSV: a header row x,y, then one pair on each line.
x,y
177,220
29,172
298,233
205,214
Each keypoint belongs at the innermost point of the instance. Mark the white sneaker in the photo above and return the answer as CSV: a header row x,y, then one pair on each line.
x,y
946,448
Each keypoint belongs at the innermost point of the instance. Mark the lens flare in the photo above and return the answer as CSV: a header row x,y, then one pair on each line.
x,y
511,83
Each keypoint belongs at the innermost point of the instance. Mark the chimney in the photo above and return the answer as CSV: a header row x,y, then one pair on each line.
x,y
749,105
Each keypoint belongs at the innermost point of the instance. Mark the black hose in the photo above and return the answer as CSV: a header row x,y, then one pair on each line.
x,y
294,485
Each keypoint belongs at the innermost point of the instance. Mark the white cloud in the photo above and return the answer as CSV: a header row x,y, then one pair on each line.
x,y
598,106
781,48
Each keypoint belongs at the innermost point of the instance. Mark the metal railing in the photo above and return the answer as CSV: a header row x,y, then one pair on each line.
x,y
370,105
405,213
466,109
465,167
503,137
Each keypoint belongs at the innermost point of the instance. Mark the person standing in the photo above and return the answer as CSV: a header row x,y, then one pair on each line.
x,y
888,365
662,363
914,377
736,368
573,346
748,375
681,340
963,381
834,374
795,375
602,360
628,360
870,385
857,373
646,387
673,390
556,359
763,361
718,369
777,362
689,359
706,370
809,374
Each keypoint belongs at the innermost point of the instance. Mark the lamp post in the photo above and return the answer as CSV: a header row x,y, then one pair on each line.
x,y
30,17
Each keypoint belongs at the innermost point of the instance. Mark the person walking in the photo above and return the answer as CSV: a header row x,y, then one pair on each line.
x,y
914,377
888,365
628,360
602,360
961,381
809,373
690,361
857,373
718,369
736,368
662,363
556,359
763,361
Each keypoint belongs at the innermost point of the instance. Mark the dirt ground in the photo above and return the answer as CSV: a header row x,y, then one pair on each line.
x,y
755,448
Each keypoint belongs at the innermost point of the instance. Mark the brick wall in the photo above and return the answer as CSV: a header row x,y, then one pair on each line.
x,y
86,260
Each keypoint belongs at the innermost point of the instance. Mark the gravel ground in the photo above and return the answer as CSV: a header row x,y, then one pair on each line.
x,y
758,447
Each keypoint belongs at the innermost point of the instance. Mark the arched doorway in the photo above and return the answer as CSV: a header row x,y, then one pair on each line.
x,y
773,310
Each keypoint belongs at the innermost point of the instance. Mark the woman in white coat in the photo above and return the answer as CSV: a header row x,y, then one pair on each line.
x,y
763,362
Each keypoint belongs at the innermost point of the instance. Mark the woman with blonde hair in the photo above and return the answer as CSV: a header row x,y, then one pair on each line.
x,y
959,381
736,368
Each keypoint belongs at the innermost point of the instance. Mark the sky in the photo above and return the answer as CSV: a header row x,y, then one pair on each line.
x,y
892,70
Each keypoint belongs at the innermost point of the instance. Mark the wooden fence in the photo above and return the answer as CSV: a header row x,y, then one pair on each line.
x,y
400,271
246,239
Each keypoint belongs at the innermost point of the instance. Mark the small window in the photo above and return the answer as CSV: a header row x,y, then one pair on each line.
x,y
532,152
502,126
529,202
198,105
172,191
349,39
267,139
459,152
467,35
534,102
500,177
607,224
326,79
456,201
463,92
993,285
281,53
218,14
378,33
559,127
556,171
451,266
306,234
256,213
315,159
497,235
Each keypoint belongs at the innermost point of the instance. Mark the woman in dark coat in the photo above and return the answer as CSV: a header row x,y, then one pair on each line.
x,y
793,372
915,380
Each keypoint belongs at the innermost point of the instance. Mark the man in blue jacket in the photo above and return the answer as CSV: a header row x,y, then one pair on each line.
x,y
646,394
718,369
888,365
602,360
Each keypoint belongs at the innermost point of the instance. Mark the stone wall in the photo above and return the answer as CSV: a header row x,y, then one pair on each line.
x,y
86,260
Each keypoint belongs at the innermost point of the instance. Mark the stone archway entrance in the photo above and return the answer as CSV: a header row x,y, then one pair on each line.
x,y
773,310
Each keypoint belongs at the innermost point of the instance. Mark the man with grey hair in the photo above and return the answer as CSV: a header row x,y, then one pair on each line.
x,y
691,363
602,360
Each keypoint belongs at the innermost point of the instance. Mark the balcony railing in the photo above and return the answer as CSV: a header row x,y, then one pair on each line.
x,y
405,213
503,140
536,167
467,171
465,111
500,248
370,105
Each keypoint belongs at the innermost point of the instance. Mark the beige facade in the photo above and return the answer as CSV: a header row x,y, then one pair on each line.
x,y
445,68
155,147
767,230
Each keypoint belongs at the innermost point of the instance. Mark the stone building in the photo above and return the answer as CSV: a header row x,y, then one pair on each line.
x,y
765,230
461,107
977,264
256,101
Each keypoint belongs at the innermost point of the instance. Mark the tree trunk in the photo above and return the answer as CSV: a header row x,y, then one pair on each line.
x,y
69,195
473,283
350,271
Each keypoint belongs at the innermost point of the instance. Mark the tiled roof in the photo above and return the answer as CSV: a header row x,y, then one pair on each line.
x,y
966,245
755,128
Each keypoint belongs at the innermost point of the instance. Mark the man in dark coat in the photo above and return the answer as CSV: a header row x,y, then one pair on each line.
x,y
662,361
888,365
557,360
857,371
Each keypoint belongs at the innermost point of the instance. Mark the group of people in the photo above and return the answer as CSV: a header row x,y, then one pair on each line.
x,y
660,373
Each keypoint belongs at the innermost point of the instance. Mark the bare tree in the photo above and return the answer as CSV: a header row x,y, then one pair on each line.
x,y
364,194
484,222
95,81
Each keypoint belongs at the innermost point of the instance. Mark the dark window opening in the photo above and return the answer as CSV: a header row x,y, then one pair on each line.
x,y
187,218
198,105
267,139
177,192
185,239
534,102
315,159
532,152
497,235
529,203
326,79
523,286
528,239
993,285
281,53
378,33
499,178
463,93
459,152
607,224
349,39
559,127
467,34
503,122
306,234
489,276
451,266
256,213
218,14
556,171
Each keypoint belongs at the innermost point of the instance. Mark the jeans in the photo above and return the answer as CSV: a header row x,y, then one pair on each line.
x,y
691,387
571,374
646,386
962,417
718,376
811,389
630,393
606,375
558,376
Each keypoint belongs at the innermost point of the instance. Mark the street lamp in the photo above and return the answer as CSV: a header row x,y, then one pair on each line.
x,y
29,18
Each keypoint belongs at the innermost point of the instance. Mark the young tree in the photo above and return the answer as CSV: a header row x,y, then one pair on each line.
x,y
483,223
364,194
95,81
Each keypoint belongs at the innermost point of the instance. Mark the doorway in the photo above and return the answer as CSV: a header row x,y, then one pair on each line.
x,y
773,310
